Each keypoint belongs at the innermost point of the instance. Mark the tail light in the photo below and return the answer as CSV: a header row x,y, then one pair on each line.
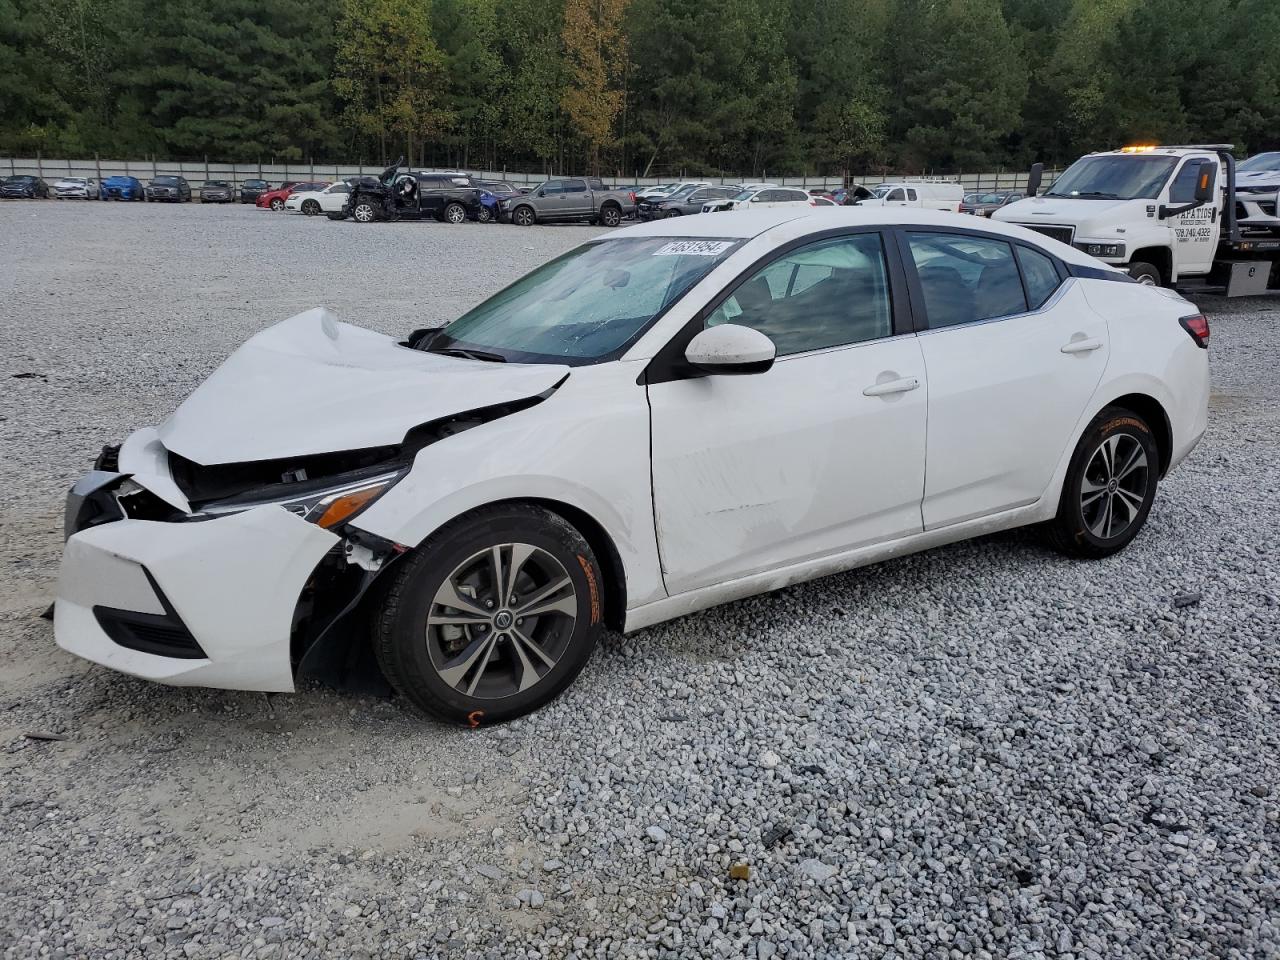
x,y
1198,327
813,202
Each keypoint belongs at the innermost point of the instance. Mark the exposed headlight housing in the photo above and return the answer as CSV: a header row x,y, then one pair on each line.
x,y
327,507
1100,249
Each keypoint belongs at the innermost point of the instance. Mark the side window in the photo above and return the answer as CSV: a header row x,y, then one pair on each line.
x,y
896,195
1039,274
911,194
766,196
824,294
340,188
796,196
553,188
1183,188
595,184
965,279
575,186
699,195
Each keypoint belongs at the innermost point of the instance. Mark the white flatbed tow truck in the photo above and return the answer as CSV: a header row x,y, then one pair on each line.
x,y
1169,215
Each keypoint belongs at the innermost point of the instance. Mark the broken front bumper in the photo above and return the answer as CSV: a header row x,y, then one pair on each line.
x,y
198,603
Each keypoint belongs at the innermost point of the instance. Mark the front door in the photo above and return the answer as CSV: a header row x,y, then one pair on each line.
x,y
1195,233
822,453
1013,353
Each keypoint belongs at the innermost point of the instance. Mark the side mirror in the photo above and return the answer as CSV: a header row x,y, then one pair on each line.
x,y
1204,183
1034,178
732,349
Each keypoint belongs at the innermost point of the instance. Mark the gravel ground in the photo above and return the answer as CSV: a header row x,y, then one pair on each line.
x,y
981,751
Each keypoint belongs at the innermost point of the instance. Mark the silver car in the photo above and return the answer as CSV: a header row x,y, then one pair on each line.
x,y
77,188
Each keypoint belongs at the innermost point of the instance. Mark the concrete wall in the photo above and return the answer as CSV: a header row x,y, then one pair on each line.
x,y
197,173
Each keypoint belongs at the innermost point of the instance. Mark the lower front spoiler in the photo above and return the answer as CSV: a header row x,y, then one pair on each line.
x,y
229,585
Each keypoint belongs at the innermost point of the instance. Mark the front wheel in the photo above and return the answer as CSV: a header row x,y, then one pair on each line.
x,y
1145,273
523,217
455,213
492,617
610,215
364,212
277,204
484,215
1109,487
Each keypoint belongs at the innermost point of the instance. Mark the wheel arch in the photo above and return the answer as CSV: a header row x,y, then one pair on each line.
x,y
524,206
1154,413
1159,257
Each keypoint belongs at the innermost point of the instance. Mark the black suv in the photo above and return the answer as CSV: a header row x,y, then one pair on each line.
x,y
169,189
451,197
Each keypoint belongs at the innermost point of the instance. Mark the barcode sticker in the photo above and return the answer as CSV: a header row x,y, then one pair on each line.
x,y
693,248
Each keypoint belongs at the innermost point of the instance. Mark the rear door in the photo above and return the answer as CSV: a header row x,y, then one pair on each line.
x,y
577,201
431,195
1013,353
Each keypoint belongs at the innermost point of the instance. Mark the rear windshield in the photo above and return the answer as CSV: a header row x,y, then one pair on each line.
x,y
216,183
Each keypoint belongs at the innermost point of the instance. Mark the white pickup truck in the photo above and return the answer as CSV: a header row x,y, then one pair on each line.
x,y
1169,215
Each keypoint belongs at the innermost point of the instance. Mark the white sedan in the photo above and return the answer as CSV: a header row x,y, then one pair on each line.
x,y
668,417
76,188
312,202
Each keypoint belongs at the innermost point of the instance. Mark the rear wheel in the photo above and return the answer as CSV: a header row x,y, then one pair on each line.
x,y
364,212
1109,487
492,617
484,215
523,216
310,207
611,215
1145,273
455,213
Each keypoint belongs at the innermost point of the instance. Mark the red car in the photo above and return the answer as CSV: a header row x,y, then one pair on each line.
x,y
275,198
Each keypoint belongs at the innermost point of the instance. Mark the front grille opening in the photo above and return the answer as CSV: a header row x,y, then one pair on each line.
x,y
1062,234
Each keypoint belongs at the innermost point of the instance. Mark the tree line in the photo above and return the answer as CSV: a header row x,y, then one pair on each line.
x,y
637,86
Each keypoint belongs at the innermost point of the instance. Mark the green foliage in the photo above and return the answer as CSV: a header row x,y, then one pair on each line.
x,y
748,87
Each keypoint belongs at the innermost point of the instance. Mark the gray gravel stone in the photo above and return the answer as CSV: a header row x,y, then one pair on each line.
x,y
1007,753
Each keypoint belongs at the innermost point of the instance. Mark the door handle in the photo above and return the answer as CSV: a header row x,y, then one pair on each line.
x,y
901,385
1081,346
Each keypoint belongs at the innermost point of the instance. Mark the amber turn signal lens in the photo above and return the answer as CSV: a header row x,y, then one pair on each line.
x,y
346,505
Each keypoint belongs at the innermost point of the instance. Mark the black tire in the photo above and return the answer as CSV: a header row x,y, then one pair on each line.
x,y
310,207
1146,273
484,214
413,667
364,212
337,216
523,216
610,215
672,213
455,213
1101,489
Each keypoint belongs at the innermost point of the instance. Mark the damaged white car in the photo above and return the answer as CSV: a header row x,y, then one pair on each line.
x,y
669,417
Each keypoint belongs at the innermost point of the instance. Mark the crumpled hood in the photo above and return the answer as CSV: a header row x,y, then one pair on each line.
x,y
313,385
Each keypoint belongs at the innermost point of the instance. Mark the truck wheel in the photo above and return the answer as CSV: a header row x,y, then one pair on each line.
x,y
1145,273
610,215
494,615
455,213
364,212
522,216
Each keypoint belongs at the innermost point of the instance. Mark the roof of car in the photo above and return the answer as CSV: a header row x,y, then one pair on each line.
x,y
746,224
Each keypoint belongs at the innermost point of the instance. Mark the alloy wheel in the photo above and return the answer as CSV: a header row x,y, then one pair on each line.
x,y
524,217
501,620
363,213
455,214
1113,486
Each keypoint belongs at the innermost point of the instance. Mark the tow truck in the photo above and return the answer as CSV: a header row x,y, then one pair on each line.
x,y
1169,215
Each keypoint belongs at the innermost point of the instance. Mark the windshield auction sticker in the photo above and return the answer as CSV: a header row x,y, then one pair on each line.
x,y
693,248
